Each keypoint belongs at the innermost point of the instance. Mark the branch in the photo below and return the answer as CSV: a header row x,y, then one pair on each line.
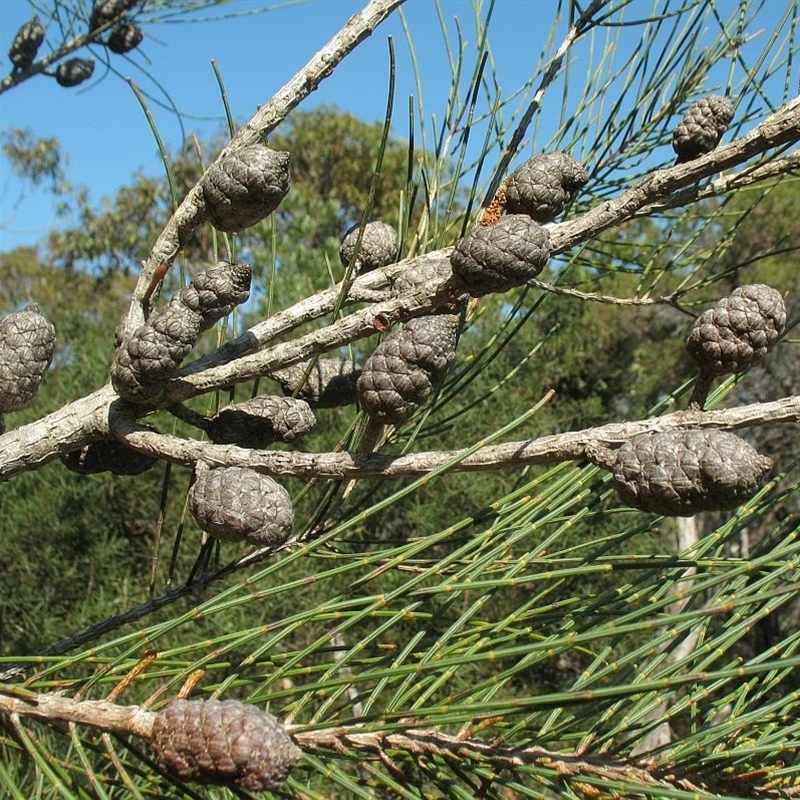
x,y
168,244
406,288
414,743
72,426
98,714
725,184
552,449
570,767
593,297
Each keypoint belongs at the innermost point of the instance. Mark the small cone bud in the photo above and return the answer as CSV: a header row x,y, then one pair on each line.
x,y
106,11
259,422
74,71
108,456
152,354
125,38
331,382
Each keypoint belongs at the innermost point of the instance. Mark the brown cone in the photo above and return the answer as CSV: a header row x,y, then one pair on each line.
x,y
27,343
681,473
259,422
223,741
498,257
407,367
331,382
245,187
380,245
738,331
543,185
235,503
701,129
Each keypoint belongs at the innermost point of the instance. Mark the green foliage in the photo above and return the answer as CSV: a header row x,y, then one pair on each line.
x,y
37,160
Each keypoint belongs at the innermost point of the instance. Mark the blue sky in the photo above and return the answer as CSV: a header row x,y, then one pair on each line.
x,y
103,129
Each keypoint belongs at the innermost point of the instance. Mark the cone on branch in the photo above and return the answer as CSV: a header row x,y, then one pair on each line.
x,y
74,71
107,456
213,294
702,127
236,503
106,11
152,354
407,367
379,246
496,258
734,335
543,186
739,331
124,38
680,473
245,187
223,742
260,421
27,344
330,382
26,44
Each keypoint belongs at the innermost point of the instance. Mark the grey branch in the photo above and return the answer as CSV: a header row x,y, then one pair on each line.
x,y
750,174
98,714
358,28
401,290
572,446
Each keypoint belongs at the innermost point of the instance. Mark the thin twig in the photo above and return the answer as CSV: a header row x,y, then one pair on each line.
x,y
593,297
581,25
569,766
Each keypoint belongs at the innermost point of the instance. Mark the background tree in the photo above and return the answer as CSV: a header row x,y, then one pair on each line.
x,y
430,630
